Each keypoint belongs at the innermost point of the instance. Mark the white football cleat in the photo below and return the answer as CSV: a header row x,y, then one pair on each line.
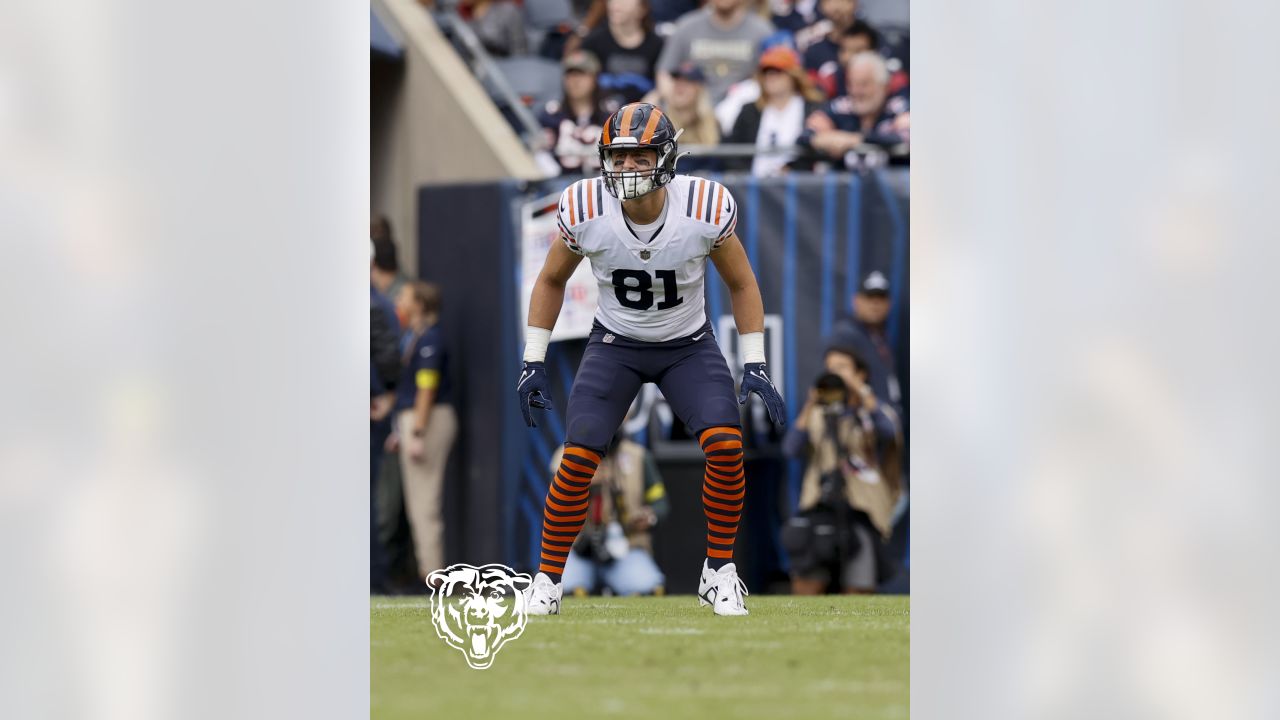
x,y
543,596
722,589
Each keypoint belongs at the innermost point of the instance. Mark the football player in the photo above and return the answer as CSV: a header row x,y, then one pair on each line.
x,y
648,233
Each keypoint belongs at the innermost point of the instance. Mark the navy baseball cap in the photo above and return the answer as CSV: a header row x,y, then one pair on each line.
x,y
689,71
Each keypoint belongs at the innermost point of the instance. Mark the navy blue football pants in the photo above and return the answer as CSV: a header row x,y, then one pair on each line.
x,y
690,372
693,376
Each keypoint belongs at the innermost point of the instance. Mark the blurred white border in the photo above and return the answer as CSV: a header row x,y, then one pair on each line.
x,y
183,207
1092,399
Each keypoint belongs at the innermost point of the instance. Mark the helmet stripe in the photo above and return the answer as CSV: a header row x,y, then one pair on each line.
x,y
652,125
607,123
624,128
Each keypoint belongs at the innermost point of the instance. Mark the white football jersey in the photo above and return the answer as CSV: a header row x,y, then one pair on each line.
x,y
649,291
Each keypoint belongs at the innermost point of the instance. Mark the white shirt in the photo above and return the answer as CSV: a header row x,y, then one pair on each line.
x,y
779,127
650,291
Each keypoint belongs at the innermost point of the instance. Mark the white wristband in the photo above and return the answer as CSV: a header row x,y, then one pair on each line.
x,y
752,347
535,344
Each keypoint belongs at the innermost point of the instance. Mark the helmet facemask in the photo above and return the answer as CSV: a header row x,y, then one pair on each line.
x,y
631,184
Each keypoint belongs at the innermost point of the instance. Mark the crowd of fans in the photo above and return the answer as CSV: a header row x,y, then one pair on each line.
x,y
718,71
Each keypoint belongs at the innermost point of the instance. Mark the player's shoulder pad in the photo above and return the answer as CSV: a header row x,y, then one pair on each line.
x,y
711,204
580,203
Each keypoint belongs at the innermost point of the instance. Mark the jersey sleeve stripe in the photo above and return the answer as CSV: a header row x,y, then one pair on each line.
x,y
591,199
719,197
600,196
727,229
702,187
688,211
729,224
571,213
711,192
581,208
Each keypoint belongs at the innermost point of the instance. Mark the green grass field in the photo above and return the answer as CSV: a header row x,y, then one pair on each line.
x,y
665,658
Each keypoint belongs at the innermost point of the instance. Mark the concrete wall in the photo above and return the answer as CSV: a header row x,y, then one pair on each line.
x,y
431,122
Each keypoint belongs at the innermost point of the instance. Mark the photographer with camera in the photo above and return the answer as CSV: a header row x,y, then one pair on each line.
x,y
627,499
852,482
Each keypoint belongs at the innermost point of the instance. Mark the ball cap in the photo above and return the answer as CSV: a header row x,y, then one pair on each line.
x,y
582,61
781,58
875,282
689,71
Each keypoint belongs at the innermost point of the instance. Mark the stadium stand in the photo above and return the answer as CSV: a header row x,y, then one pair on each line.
x,y
534,80
543,17
430,87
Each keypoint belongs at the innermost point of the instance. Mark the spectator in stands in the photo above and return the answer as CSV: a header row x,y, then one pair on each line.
x,y
688,105
792,16
628,50
863,38
820,44
614,550
667,12
860,37
865,334
744,92
831,76
572,124
723,39
426,423
777,118
867,115
498,25
851,484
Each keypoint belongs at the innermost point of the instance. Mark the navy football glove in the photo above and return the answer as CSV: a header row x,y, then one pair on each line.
x,y
755,379
534,390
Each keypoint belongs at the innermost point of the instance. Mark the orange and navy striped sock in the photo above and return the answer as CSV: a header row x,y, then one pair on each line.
x,y
565,509
723,488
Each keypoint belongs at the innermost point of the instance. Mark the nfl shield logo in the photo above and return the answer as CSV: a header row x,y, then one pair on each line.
x,y
644,254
